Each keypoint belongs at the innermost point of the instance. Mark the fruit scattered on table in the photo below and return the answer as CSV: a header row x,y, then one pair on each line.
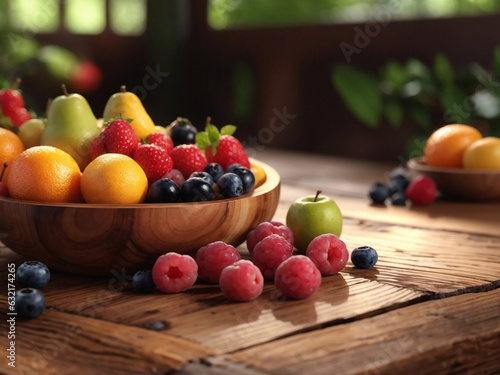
x,y
398,199
242,281
297,277
308,217
483,154
213,258
421,191
182,131
328,253
30,303
269,253
33,274
154,161
45,174
379,192
163,190
188,159
364,257
230,185
114,179
174,272
196,190
264,230
143,282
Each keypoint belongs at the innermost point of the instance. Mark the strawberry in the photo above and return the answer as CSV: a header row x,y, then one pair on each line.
x,y
19,116
222,148
188,159
120,138
162,140
97,147
154,161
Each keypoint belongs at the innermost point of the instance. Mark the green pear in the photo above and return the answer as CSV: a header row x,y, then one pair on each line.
x,y
71,126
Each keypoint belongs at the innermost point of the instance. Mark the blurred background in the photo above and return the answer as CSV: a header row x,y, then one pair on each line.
x,y
363,79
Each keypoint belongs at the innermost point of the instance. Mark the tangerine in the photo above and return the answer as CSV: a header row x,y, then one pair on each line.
x,y
10,148
114,178
46,174
483,154
446,146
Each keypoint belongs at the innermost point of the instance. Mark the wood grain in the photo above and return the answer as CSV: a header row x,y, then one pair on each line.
x,y
434,337
93,239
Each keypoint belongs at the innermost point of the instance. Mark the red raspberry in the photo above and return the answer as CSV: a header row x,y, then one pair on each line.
x,y
328,253
213,258
120,138
188,159
421,191
176,176
266,229
297,277
269,253
97,147
162,140
174,272
154,161
241,281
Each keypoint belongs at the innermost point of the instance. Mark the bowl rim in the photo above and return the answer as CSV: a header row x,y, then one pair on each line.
x,y
419,164
272,181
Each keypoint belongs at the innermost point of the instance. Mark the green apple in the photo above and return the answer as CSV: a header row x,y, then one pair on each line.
x,y
311,216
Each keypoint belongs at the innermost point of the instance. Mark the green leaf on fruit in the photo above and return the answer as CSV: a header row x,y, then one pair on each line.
x,y
129,120
213,134
202,140
228,130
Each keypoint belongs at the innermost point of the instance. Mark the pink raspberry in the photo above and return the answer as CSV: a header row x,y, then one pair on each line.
x,y
269,253
213,258
328,253
174,272
297,277
241,281
266,229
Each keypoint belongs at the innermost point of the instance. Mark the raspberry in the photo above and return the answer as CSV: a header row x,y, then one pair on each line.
x,y
213,258
421,191
297,277
266,229
241,281
174,272
269,253
328,253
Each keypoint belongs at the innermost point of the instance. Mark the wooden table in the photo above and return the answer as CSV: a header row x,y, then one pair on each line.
x,y
430,306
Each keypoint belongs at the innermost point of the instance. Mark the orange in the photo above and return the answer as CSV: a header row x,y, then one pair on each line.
x,y
483,154
46,174
114,178
10,147
446,146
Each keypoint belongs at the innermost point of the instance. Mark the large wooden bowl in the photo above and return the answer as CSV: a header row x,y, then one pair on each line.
x,y
94,239
461,184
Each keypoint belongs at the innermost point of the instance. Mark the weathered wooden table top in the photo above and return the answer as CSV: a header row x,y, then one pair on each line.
x,y
431,305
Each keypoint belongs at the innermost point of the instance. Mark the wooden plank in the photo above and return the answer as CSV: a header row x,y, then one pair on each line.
x,y
62,343
434,337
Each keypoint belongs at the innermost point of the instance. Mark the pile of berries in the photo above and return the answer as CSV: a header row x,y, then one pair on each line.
x,y
272,258
13,108
29,301
178,170
419,191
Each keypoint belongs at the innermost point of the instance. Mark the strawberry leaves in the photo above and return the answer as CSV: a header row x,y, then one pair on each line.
x,y
211,136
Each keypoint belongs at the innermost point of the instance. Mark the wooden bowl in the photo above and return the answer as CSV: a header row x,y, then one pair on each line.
x,y
460,184
94,239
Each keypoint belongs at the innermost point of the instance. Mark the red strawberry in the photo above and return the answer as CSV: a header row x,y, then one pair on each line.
x,y
120,138
223,148
97,147
154,160
188,159
19,116
162,140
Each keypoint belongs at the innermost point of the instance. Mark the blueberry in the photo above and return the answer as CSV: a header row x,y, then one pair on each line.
x,y
398,199
196,190
399,185
379,192
143,282
364,257
247,178
183,132
230,185
399,173
30,303
232,167
204,176
33,274
215,170
163,190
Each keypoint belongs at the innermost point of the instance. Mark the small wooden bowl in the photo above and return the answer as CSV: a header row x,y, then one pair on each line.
x,y
94,239
460,184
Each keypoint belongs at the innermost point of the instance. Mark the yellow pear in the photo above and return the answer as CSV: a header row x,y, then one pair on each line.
x,y
128,106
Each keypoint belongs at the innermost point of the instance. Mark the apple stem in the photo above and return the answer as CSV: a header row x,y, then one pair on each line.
x,y
16,84
5,165
317,194
123,88
209,120
65,91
